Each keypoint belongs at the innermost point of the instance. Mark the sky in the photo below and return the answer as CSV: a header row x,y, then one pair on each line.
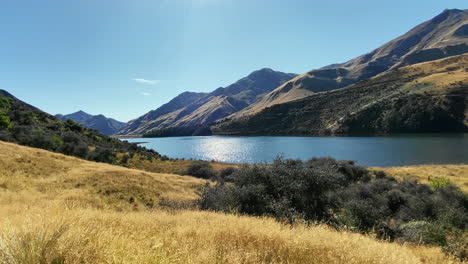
x,y
123,58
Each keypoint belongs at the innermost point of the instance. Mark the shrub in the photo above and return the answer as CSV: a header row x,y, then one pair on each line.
x,y
200,169
288,188
346,196
224,175
5,121
437,183
4,102
218,199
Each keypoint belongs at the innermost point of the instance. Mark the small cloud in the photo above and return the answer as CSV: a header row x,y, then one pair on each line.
x,y
145,93
140,80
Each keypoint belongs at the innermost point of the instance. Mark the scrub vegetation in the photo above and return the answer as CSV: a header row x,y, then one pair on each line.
x,y
26,125
348,197
61,209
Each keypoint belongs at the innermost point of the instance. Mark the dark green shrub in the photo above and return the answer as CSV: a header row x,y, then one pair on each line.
x,y
289,188
201,169
218,199
346,196
224,175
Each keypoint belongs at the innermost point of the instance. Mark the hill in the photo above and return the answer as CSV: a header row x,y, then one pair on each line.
x,y
457,174
106,126
178,102
59,209
195,110
24,124
443,36
425,97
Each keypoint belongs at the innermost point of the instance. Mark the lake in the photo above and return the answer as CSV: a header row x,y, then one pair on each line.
x,y
382,151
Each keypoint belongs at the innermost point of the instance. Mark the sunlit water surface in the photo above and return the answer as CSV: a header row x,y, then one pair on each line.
x,y
370,151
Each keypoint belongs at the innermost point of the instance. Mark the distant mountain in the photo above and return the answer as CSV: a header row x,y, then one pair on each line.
x,y
444,35
107,126
425,97
27,125
79,117
178,102
200,109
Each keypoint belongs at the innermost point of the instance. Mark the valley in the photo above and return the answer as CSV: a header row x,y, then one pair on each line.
x,y
360,161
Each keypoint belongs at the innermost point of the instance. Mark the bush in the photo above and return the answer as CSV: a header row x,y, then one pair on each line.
x,y
437,183
5,121
225,174
201,169
288,188
346,196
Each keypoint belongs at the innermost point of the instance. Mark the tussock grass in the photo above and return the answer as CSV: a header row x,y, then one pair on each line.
x,y
33,174
102,236
55,209
457,174
170,166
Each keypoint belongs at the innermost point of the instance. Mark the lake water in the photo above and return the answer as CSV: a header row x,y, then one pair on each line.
x,y
369,151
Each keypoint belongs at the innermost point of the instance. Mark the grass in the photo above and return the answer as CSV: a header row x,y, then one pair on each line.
x,y
457,174
100,236
170,166
38,174
59,209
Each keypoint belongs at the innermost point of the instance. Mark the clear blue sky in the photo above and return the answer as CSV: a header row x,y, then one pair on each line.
x,y
95,55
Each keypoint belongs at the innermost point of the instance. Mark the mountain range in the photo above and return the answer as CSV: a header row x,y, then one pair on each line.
x,y
189,110
425,97
244,107
107,126
444,35
417,82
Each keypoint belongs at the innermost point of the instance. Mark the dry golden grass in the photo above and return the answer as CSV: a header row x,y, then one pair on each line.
x,y
170,166
444,75
47,175
458,174
102,236
58,209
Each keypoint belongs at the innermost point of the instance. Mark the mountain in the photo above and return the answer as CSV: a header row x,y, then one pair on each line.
x,y
425,97
107,126
195,110
79,117
178,102
444,35
27,125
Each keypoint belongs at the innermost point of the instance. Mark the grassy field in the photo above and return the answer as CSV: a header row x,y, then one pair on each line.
x,y
42,235
170,166
34,174
457,174
59,209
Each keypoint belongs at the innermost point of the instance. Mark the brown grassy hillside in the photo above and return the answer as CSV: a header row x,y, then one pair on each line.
x,y
457,174
58,209
425,97
434,39
34,175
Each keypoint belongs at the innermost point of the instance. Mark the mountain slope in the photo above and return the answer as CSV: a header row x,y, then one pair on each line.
x,y
203,109
426,97
107,126
79,117
178,102
444,35
24,124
